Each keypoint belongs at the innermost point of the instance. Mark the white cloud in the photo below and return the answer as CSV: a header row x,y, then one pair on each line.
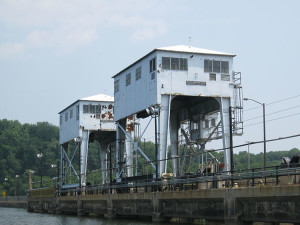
x,y
8,50
147,33
144,28
64,38
66,25
143,34
38,38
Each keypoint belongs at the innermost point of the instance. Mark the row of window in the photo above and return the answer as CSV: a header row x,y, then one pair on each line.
x,y
216,66
224,77
205,124
138,75
212,123
92,109
69,115
169,63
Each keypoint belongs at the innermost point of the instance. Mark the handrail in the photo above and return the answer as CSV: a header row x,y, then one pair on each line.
x,y
238,175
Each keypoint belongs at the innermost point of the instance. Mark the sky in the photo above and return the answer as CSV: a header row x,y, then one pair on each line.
x,y
53,52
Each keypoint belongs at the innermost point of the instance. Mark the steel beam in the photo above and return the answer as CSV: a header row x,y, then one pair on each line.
x,y
224,111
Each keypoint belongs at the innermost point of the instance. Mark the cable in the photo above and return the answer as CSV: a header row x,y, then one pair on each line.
x,y
283,100
220,149
238,146
149,138
278,118
273,113
271,103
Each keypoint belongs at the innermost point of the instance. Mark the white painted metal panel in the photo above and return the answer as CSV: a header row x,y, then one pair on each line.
x,y
194,82
139,94
194,93
72,127
68,129
190,49
146,92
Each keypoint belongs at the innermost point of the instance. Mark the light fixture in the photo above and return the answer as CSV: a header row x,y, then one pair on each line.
x,y
77,139
264,128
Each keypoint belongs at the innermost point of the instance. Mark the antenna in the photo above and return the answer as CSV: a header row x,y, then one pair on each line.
x,y
190,39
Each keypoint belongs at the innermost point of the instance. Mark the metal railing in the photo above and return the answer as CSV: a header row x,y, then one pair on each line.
x,y
13,198
266,176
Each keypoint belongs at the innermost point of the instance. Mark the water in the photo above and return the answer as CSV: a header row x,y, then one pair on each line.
x,y
13,216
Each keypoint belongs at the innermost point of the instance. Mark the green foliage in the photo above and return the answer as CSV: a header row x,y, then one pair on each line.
x,y
20,144
257,160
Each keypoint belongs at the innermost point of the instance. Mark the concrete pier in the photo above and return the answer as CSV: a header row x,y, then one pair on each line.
x,y
14,202
265,204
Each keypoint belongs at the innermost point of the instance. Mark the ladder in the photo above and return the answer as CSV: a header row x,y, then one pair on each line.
x,y
237,114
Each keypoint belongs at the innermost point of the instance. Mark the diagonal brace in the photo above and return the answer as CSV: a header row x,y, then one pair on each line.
x,y
70,163
136,147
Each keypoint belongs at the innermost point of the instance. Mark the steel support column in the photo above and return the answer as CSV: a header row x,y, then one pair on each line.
x,y
129,158
224,110
163,123
103,158
174,126
83,156
117,149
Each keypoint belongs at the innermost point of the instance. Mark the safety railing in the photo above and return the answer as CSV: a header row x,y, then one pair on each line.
x,y
229,179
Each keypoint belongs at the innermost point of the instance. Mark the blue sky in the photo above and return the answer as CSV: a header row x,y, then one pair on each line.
x,y
54,52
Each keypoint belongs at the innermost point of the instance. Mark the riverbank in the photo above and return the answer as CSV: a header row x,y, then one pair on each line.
x,y
14,202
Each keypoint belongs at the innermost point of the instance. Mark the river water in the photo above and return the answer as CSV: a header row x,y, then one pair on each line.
x,y
14,216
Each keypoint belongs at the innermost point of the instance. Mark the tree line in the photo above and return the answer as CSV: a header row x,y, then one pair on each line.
x,y
20,145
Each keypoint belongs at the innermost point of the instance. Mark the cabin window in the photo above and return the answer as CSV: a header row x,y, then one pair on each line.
x,y
152,65
207,65
194,126
225,77
85,108
77,112
60,119
92,109
71,113
183,64
224,67
174,63
138,73
212,76
89,108
117,86
216,66
166,63
66,116
98,108
206,124
213,122
128,79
